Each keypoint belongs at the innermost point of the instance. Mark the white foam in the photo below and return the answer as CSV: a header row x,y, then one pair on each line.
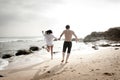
x,y
3,63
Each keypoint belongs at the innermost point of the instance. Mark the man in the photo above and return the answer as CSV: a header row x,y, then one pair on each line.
x,y
67,43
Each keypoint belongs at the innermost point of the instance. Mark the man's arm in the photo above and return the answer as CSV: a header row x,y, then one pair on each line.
x,y
61,35
75,37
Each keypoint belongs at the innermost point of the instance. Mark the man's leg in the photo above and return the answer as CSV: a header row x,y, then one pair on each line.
x,y
68,52
64,50
67,57
63,55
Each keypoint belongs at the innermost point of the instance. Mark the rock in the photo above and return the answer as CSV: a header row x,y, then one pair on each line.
x,y
22,52
112,34
105,45
6,56
116,48
95,47
116,45
34,48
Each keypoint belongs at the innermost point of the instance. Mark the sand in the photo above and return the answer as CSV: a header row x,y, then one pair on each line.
x,y
101,64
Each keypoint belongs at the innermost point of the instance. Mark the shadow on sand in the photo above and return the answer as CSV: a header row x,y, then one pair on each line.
x,y
26,68
48,73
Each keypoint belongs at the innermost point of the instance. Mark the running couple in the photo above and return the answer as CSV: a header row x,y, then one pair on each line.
x,y
66,45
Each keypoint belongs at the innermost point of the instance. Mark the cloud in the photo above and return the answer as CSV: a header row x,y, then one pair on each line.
x,y
17,16
116,1
23,10
30,15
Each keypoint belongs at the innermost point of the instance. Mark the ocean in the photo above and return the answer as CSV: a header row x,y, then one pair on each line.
x,y
10,45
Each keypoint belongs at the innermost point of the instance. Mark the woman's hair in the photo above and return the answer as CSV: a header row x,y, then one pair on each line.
x,y
49,32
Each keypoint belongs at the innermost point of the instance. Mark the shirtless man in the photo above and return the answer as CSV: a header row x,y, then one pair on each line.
x,y
67,43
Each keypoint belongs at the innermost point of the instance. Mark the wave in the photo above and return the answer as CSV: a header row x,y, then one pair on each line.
x,y
20,39
3,64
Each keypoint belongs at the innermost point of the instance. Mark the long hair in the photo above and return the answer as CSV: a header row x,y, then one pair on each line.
x,y
49,32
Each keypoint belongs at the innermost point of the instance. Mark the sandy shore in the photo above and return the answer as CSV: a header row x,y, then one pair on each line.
x,y
102,64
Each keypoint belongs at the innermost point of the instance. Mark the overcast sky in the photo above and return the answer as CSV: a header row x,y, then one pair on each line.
x,y
30,17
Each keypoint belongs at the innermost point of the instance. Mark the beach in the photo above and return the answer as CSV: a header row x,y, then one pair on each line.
x,y
101,64
34,34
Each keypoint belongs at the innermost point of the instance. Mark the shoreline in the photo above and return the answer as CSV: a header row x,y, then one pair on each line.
x,y
102,64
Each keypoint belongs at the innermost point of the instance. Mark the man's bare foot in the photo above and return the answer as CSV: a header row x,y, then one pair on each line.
x,y
62,61
66,62
51,58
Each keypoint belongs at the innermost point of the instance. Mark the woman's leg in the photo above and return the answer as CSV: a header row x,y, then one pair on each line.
x,y
48,48
51,52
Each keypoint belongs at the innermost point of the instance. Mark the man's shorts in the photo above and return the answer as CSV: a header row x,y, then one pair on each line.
x,y
67,44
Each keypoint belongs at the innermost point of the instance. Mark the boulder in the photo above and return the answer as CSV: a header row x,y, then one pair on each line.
x,y
34,48
105,45
95,47
6,56
22,52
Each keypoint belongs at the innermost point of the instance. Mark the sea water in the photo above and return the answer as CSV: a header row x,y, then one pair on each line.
x,y
10,45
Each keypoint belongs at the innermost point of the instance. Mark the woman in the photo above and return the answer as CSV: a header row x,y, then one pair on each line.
x,y
49,41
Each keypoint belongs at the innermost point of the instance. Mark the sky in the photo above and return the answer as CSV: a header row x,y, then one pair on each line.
x,y
30,17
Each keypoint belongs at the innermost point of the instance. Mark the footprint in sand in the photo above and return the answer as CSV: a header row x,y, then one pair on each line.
x,y
108,74
1,76
70,67
48,71
73,70
94,70
46,66
97,69
78,73
85,74
44,69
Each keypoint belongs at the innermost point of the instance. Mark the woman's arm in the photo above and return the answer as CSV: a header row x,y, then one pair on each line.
x,y
43,33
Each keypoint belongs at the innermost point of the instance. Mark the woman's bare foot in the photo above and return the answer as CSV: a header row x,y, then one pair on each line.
x,y
51,58
47,49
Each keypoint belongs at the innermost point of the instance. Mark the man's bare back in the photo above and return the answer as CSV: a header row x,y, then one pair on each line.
x,y
68,34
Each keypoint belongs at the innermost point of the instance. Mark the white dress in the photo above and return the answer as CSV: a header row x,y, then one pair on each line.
x,y
49,39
